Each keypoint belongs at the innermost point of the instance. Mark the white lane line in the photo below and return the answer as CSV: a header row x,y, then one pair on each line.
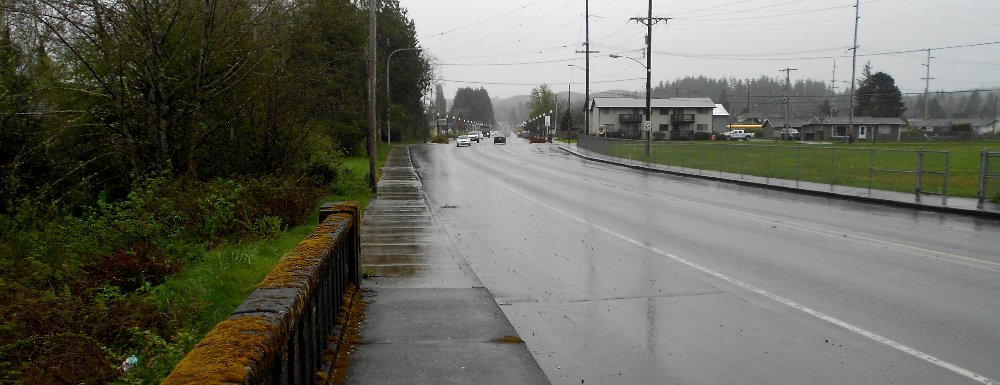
x,y
815,313
917,250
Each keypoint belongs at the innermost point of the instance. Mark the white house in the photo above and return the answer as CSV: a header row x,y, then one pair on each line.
x,y
720,118
676,117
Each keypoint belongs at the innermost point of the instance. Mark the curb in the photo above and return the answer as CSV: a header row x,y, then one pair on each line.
x,y
981,214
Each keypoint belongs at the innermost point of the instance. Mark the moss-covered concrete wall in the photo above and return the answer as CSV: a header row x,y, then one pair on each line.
x,y
277,335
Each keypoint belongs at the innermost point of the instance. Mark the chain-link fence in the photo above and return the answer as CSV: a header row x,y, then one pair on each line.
x,y
918,171
989,177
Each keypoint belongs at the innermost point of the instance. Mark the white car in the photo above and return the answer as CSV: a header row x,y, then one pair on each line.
x,y
463,140
476,135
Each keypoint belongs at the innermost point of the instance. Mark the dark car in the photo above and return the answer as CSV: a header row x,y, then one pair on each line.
x,y
499,139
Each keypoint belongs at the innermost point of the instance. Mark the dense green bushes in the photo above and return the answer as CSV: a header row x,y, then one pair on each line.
x,y
75,291
142,139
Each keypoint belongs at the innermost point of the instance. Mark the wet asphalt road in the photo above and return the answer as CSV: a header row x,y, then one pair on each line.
x,y
616,276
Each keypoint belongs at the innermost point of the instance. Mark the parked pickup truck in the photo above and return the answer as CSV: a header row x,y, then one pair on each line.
x,y
738,135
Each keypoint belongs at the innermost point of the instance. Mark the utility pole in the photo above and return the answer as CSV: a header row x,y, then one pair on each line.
x,y
833,85
927,86
587,51
854,68
649,20
372,124
747,111
569,110
788,91
833,78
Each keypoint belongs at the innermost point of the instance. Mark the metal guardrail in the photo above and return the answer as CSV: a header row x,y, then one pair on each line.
x,y
989,176
919,171
279,334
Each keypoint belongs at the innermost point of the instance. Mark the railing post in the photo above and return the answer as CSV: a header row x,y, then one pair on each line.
x,y
721,163
947,168
767,154
920,169
983,166
833,168
653,152
798,164
743,164
871,168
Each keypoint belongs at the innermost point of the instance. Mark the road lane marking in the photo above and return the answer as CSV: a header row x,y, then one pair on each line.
x,y
798,225
946,256
777,298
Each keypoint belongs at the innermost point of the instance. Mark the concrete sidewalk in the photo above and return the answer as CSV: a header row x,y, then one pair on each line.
x,y
429,320
937,203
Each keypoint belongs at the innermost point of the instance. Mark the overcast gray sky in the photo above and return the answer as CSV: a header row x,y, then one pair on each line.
x,y
511,46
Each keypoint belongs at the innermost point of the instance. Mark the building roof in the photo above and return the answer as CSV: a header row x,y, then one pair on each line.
x,y
779,123
720,110
951,122
654,103
866,120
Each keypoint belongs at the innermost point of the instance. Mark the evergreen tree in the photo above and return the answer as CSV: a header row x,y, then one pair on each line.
x,y
973,105
935,110
878,96
473,105
440,104
825,108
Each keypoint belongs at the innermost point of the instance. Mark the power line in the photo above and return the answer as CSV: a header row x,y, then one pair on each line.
x,y
755,57
534,84
480,22
763,57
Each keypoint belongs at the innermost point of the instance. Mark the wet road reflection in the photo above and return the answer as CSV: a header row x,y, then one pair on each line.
x,y
613,276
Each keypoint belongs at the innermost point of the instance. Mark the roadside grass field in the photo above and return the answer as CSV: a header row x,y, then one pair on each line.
x,y
888,166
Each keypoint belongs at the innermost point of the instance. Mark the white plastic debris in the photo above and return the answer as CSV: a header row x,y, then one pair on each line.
x,y
129,363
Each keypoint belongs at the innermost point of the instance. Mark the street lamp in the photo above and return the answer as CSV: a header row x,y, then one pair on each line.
x,y
547,132
388,102
649,109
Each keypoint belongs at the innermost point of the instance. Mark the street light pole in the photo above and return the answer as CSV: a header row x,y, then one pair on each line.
x,y
388,102
648,109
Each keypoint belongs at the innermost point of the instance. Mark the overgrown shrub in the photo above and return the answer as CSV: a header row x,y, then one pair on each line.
x,y
659,135
440,139
74,288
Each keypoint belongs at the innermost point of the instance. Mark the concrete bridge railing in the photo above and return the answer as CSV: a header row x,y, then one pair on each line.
x,y
280,333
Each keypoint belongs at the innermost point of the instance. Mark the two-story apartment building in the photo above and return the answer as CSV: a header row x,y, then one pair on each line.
x,y
676,117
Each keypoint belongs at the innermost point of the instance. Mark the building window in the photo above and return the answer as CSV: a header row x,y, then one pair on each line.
x,y
840,131
630,118
605,111
663,111
664,127
702,127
